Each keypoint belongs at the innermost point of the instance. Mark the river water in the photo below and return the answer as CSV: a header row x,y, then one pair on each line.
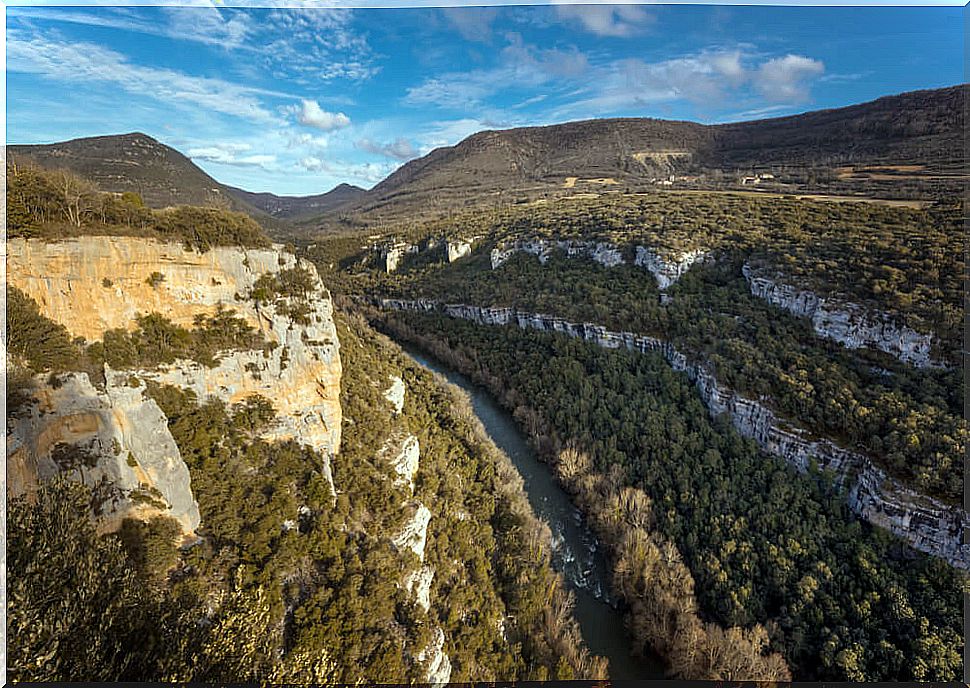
x,y
575,550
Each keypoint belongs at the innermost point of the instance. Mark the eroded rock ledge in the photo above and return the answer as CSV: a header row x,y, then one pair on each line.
x,y
846,323
927,524
665,269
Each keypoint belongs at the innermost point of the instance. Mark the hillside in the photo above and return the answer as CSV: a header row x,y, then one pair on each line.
x,y
901,146
296,207
161,175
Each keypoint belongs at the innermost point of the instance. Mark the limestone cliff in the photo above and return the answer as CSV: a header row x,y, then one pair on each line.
x,y
93,284
116,441
849,324
665,269
927,524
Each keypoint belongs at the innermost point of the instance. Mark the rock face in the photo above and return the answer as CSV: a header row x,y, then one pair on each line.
x,y
458,248
603,253
927,524
92,284
418,585
406,462
395,394
391,255
849,324
439,666
135,466
414,535
666,272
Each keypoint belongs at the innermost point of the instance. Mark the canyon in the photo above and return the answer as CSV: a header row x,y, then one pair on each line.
x,y
927,524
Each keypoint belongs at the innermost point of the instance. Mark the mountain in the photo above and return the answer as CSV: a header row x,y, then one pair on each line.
x,y
136,162
914,139
295,207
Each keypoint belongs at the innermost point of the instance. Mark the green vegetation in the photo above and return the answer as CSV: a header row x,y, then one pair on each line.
x,y
909,420
77,601
158,340
58,204
837,598
908,263
35,340
288,290
295,583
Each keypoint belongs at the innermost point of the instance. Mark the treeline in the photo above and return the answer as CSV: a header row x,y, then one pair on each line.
x,y
764,545
909,420
57,204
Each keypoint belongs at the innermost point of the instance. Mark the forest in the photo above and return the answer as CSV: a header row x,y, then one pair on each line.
x,y
909,420
763,548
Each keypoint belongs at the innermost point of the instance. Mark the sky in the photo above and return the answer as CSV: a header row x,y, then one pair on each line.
x,y
297,100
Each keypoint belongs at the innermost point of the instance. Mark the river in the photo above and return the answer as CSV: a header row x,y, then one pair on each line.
x,y
575,549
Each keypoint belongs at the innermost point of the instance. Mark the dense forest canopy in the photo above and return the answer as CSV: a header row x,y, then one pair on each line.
x,y
839,599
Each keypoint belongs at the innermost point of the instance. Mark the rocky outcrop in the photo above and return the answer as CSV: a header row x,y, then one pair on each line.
x,y
457,248
93,284
414,534
395,394
418,585
605,254
848,324
405,464
927,524
667,271
439,666
392,254
116,441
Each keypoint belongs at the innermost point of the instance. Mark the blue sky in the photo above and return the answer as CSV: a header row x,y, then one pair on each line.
x,y
295,101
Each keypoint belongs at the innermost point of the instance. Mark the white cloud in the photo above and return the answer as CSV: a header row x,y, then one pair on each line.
x,y
312,164
229,154
618,21
707,78
364,173
784,79
73,63
310,114
399,149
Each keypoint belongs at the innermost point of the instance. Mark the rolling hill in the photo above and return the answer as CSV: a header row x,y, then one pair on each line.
x,y
901,146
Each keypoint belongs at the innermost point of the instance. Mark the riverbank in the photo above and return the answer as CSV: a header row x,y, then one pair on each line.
x,y
577,552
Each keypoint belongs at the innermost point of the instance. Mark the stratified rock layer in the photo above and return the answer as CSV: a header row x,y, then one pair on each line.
x,y
927,524
848,324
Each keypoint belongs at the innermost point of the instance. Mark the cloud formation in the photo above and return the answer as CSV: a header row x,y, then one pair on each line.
x,y
399,149
310,114
616,21
83,62
785,79
230,154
